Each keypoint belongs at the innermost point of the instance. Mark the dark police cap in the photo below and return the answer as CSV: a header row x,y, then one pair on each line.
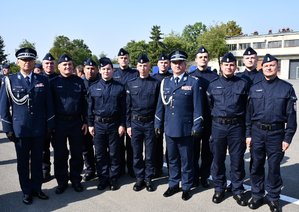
x,y
178,55
48,56
105,61
64,58
89,62
38,65
202,49
142,58
249,51
5,65
228,57
163,57
269,58
122,52
28,53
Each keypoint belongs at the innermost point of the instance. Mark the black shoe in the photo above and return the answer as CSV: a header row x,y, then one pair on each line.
x,y
61,188
46,177
255,203
27,199
139,185
149,186
171,191
40,195
240,199
274,206
77,187
89,176
205,183
218,197
229,188
158,173
195,183
186,195
102,186
114,185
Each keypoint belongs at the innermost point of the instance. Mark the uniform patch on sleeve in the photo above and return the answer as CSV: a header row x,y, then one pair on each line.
x,y
295,106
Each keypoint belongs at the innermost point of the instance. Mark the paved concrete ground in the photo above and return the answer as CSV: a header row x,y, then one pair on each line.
x,y
125,199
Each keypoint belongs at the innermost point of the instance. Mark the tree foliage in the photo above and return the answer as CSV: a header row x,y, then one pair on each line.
x,y
174,41
135,49
156,46
2,54
76,48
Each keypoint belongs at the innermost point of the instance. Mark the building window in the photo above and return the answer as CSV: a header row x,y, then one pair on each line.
x,y
291,43
275,44
259,45
243,45
240,62
232,47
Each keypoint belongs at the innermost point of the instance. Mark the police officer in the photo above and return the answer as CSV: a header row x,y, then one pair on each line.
x,y
123,74
106,121
250,60
90,77
49,71
270,127
38,68
142,97
163,65
227,96
29,98
180,112
205,76
71,112
5,72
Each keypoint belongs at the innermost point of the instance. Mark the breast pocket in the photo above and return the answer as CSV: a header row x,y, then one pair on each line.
x,y
280,104
19,92
239,96
218,96
258,101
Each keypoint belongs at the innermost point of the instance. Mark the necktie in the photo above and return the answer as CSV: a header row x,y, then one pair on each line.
x,y
176,80
27,80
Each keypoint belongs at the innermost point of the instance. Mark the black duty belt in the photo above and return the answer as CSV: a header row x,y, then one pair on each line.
x,y
109,119
269,127
143,118
228,120
68,117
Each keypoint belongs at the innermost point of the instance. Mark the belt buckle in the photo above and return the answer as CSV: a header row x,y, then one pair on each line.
x,y
266,127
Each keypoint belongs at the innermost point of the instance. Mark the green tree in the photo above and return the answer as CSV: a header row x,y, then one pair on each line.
x,y
214,38
174,41
2,54
155,45
135,49
191,34
27,44
77,49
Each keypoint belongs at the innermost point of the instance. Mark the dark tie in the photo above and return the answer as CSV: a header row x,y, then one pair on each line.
x,y
176,80
27,80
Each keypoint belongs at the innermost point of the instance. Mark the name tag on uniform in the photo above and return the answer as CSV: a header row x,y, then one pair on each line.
x,y
187,88
39,85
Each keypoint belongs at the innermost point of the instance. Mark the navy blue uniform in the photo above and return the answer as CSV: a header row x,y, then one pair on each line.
x,y
106,112
70,114
205,77
88,150
48,140
272,104
123,76
180,112
251,77
142,97
32,114
159,138
228,97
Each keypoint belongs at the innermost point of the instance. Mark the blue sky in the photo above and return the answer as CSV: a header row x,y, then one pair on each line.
x,y
106,26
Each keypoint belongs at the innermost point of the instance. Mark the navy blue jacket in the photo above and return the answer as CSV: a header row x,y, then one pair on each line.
x,y
183,111
124,75
228,97
142,97
272,102
32,118
107,99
